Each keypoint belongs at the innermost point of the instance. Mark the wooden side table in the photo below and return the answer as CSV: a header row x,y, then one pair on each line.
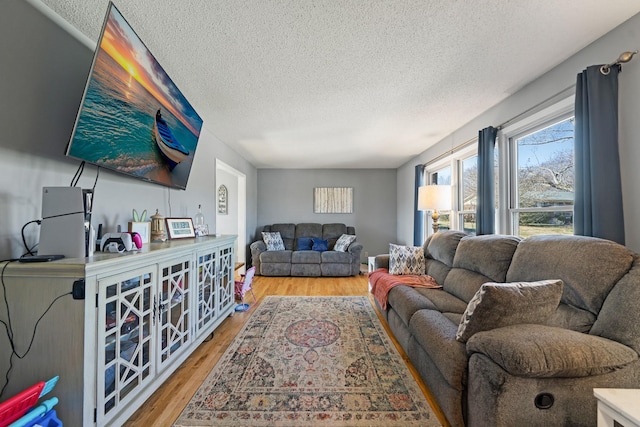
x,y
619,405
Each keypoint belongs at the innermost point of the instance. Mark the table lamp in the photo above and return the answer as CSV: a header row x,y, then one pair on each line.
x,y
434,198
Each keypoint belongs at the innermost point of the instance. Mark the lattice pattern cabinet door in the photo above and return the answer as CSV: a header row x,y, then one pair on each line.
x,y
225,276
206,286
174,309
126,337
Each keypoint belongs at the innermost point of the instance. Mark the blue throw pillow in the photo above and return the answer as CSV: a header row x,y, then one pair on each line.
x,y
305,243
320,245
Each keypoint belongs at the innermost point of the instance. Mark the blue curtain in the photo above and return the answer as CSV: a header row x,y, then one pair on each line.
x,y
598,190
485,207
418,216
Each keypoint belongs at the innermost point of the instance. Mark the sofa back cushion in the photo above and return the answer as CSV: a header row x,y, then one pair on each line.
x,y
331,233
619,318
310,230
287,232
588,266
291,232
480,259
439,250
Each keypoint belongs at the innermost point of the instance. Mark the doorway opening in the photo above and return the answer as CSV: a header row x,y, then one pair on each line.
x,y
231,215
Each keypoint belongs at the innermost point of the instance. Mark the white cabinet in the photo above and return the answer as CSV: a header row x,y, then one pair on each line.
x,y
173,305
126,335
214,286
142,315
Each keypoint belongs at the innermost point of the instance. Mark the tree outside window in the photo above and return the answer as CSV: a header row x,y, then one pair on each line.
x,y
544,194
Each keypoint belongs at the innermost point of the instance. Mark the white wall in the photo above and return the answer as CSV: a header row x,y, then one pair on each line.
x,y
43,70
604,50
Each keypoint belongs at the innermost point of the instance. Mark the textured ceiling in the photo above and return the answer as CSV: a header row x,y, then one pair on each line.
x,y
351,83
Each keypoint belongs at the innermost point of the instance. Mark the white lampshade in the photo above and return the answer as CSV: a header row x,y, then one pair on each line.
x,y
434,197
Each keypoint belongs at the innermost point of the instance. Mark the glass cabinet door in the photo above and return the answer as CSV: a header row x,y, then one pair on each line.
x,y
173,308
125,334
226,279
206,284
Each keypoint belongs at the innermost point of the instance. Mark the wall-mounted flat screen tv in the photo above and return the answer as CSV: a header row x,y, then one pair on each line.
x,y
132,118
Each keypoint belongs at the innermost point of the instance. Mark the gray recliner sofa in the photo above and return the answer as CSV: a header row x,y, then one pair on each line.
x,y
309,263
522,374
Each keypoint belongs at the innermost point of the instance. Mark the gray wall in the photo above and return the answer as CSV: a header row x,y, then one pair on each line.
x,y
286,196
43,71
604,50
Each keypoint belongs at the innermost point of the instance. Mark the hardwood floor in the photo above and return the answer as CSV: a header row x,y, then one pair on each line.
x,y
166,404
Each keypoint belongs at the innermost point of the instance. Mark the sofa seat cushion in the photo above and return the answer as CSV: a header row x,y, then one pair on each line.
x,y
541,351
335,269
305,257
336,257
436,334
406,301
276,269
275,256
306,270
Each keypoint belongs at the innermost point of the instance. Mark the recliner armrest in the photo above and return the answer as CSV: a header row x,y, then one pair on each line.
x,y
258,247
381,261
540,351
355,248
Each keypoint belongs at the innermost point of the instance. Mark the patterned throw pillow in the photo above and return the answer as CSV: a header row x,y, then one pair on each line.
x,y
343,242
406,259
503,304
273,240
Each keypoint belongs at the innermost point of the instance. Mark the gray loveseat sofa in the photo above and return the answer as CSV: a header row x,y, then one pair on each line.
x,y
309,263
522,374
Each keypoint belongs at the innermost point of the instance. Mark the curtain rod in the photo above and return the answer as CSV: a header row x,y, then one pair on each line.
x,y
563,93
623,58
540,105
451,151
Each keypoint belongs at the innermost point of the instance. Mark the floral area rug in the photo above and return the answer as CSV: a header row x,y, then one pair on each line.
x,y
310,361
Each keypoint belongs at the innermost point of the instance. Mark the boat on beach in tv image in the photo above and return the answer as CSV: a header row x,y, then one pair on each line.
x,y
133,119
170,148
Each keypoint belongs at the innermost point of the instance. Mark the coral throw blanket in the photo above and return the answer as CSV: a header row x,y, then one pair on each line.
x,y
382,282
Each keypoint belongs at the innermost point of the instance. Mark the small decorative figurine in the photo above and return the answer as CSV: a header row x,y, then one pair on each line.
x,y
158,230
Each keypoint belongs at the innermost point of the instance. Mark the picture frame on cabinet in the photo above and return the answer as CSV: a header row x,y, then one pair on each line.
x,y
180,228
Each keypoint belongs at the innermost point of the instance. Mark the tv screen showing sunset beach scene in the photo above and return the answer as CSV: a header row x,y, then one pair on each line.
x,y
132,118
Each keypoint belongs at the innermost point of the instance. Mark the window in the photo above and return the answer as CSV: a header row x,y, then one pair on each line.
x,y
533,176
442,177
543,192
468,194
460,171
